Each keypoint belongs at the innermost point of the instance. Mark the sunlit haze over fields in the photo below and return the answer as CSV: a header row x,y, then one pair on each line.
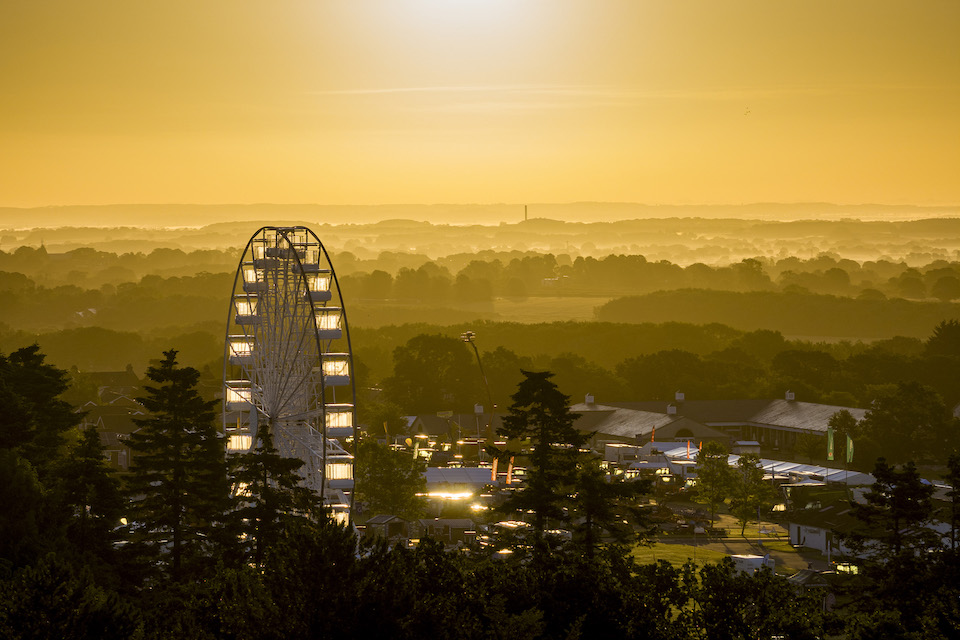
x,y
479,101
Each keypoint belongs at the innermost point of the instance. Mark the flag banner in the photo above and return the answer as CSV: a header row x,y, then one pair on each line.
x,y
829,444
688,449
653,433
849,449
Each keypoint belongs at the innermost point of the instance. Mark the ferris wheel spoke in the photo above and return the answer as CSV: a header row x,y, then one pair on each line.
x,y
296,352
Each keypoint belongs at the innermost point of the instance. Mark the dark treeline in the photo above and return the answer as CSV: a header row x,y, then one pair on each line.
x,y
793,313
187,561
614,362
909,386
485,276
44,293
651,362
480,275
86,267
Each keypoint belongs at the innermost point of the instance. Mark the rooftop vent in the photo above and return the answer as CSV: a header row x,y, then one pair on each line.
x,y
478,409
678,396
588,398
671,409
790,395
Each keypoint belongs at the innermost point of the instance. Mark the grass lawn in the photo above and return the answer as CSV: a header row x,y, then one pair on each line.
x,y
675,554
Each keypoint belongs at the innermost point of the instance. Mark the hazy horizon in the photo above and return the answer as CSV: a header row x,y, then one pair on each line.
x,y
191,215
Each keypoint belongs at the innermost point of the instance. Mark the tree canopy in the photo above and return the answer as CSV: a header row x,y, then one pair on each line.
x,y
178,482
540,417
714,476
896,513
431,373
388,481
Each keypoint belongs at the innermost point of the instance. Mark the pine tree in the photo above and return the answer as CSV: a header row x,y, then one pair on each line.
x,y
178,483
540,414
21,511
269,494
606,504
897,511
33,422
90,494
34,419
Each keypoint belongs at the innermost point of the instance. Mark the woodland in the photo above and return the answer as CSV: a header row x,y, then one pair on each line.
x,y
801,311
619,326
850,313
189,559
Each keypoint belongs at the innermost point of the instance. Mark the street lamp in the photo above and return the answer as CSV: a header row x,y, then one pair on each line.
x,y
468,337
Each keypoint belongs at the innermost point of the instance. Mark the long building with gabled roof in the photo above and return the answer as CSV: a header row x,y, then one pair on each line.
x,y
773,423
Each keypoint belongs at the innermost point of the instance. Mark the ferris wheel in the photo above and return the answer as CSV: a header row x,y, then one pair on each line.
x,y
288,365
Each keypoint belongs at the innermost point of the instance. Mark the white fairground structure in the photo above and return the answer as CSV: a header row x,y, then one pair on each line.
x,y
288,362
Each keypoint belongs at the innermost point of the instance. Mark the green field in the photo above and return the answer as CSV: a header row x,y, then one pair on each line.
x,y
788,559
676,554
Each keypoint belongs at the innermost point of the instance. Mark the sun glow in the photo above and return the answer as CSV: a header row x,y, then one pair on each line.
x,y
371,102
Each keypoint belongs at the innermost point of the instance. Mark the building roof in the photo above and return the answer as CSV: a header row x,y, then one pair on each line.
x,y
779,467
112,419
808,416
453,523
384,519
618,421
467,423
834,516
635,423
785,414
114,378
468,477
809,578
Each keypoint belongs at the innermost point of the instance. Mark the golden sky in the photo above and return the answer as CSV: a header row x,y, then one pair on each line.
x,y
460,101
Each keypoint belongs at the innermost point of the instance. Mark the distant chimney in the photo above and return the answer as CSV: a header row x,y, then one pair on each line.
x,y
671,409
588,398
478,409
678,396
790,395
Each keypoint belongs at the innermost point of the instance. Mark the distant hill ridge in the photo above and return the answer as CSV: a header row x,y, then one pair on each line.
x,y
196,215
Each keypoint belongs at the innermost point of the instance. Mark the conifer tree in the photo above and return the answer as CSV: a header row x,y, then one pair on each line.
x,y
90,494
896,513
178,484
21,511
35,418
606,504
33,421
540,414
269,494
